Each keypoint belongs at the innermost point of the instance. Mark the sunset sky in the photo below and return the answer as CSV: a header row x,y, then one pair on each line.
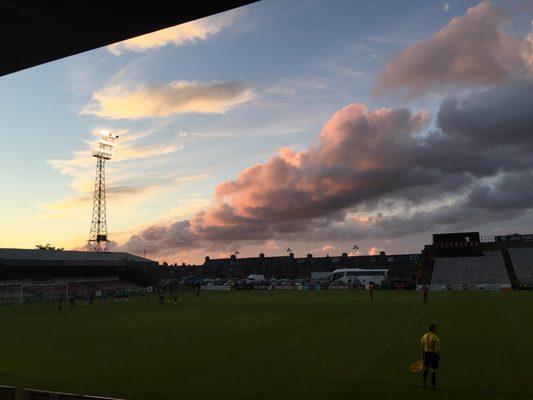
x,y
309,124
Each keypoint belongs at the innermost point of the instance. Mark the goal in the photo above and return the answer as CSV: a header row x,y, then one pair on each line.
x,y
42,292
10,294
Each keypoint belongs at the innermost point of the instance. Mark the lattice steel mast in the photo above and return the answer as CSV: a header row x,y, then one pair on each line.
x,y
98,233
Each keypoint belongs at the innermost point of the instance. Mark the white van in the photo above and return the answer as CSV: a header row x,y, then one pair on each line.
x,y
255,279
361,275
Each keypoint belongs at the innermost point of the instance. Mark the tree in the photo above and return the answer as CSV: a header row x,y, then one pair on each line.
x,y
49,247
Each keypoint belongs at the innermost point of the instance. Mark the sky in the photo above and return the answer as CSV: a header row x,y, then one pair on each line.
x,y
312,125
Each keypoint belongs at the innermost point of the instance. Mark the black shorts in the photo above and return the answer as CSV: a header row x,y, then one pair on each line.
x,y
431,360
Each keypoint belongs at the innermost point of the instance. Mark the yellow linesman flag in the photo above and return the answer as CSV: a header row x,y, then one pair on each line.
x,y
417,366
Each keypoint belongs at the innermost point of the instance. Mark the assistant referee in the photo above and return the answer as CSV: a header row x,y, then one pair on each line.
x,y
430,353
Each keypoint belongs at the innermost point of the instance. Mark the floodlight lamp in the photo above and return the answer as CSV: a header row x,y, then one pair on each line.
x,y
105,145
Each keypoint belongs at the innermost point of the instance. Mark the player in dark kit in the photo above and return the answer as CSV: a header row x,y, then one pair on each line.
x,y
425,294
198,288
175,296
430,353
371,288
60,301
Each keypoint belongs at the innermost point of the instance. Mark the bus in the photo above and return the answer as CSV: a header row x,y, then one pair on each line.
x,y
361,275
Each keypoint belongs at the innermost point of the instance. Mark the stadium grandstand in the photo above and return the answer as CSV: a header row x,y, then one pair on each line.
x,y
522,259
466,260
38,275
488,269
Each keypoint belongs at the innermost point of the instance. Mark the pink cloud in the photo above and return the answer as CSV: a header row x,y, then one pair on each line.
x,y
369,174
327,177
471,50
374,251
357,152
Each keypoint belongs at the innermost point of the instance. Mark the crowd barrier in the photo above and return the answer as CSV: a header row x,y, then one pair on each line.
x,y
283,287
11,393
340,287
216,287
7,393
311,287
457,287
33,394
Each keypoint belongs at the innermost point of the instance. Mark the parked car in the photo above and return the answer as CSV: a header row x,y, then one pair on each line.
x,y
255,279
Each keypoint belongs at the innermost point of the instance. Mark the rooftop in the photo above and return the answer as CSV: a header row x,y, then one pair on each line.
x,y
55,255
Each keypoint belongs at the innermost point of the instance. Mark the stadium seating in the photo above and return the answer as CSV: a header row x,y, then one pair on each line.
x,y
522,259
482,270
47,291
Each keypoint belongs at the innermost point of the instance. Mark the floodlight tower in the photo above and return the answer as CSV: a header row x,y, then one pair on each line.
x,y
98,234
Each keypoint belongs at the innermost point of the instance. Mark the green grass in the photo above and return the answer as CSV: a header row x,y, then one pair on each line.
x,y
273,345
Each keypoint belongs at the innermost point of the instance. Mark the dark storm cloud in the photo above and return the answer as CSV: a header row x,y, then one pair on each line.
x,y
158,238
500,116
511,192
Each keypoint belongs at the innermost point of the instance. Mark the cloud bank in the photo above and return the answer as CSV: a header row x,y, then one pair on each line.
x,y
370,173
117,102
472,50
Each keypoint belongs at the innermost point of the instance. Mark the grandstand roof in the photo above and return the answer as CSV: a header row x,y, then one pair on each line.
x,y
54,255
36,32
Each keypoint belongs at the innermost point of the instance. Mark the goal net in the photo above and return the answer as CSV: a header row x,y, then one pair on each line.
x,y
43,292
10,294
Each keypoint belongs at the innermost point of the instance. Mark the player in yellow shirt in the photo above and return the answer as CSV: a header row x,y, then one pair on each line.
x,y
430,353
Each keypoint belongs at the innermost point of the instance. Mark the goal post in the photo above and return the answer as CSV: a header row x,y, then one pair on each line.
x,y
5,292
10,294
43,292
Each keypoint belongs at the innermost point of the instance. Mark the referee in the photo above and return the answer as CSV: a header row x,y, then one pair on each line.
x,y
430,353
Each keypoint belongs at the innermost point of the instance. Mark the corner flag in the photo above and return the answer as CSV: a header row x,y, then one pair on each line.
x,y
417,366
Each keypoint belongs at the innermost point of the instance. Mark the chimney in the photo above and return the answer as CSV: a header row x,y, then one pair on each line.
x,y
261,255
206,259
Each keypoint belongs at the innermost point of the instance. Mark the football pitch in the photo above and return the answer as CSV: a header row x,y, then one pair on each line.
x,y
273,345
